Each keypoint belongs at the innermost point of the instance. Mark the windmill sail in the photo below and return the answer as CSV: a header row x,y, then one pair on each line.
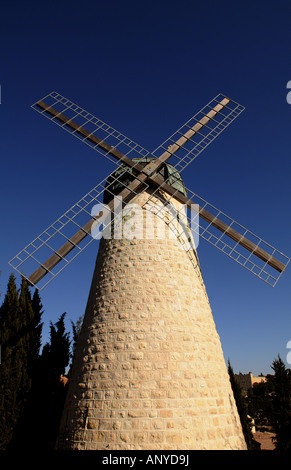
x,y
57,246
183,146
200,131
86,127
231,238
70,232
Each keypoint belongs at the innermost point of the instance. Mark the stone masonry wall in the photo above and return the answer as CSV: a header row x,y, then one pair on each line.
x,y
149,371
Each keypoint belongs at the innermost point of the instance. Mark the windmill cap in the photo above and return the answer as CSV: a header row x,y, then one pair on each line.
x,y
121,178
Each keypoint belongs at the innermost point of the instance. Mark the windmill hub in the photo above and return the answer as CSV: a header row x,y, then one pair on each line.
x,y
121,178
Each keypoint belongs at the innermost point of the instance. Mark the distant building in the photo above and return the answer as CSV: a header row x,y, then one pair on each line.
x,y
247,381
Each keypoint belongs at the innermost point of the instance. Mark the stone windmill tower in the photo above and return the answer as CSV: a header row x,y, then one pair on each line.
x,y
149,371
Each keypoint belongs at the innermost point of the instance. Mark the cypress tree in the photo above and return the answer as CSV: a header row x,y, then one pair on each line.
x,y
25,343
37,325
39,425
281,381
10,371
76,328
20,336
31,392
54,360
242,411
31,311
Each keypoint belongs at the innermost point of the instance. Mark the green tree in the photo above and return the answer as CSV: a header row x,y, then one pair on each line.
x,y
10,372
57,353
37,327
260,404
26,343
51,392
39,423
20,335
242,411
281,381
31,336
76,328
31,392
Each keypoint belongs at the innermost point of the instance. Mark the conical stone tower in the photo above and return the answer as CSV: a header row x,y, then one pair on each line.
x,y
149,371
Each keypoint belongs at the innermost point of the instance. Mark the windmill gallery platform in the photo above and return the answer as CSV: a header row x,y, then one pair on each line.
x,y
149,371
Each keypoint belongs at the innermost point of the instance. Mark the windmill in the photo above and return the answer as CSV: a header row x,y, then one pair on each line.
x,y
149,371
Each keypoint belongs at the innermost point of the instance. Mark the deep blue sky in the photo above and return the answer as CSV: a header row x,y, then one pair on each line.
x,y
146,68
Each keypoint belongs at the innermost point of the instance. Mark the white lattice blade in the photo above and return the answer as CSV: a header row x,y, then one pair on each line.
x,y
200,131
239,243
234,249
50,240
229,236
92,126
48,243
183,147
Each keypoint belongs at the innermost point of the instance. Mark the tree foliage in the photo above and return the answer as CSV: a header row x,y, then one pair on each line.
x,y
31,392
76,327
242,411
281,418
20,333
49,391
11,358
269,403
260,405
